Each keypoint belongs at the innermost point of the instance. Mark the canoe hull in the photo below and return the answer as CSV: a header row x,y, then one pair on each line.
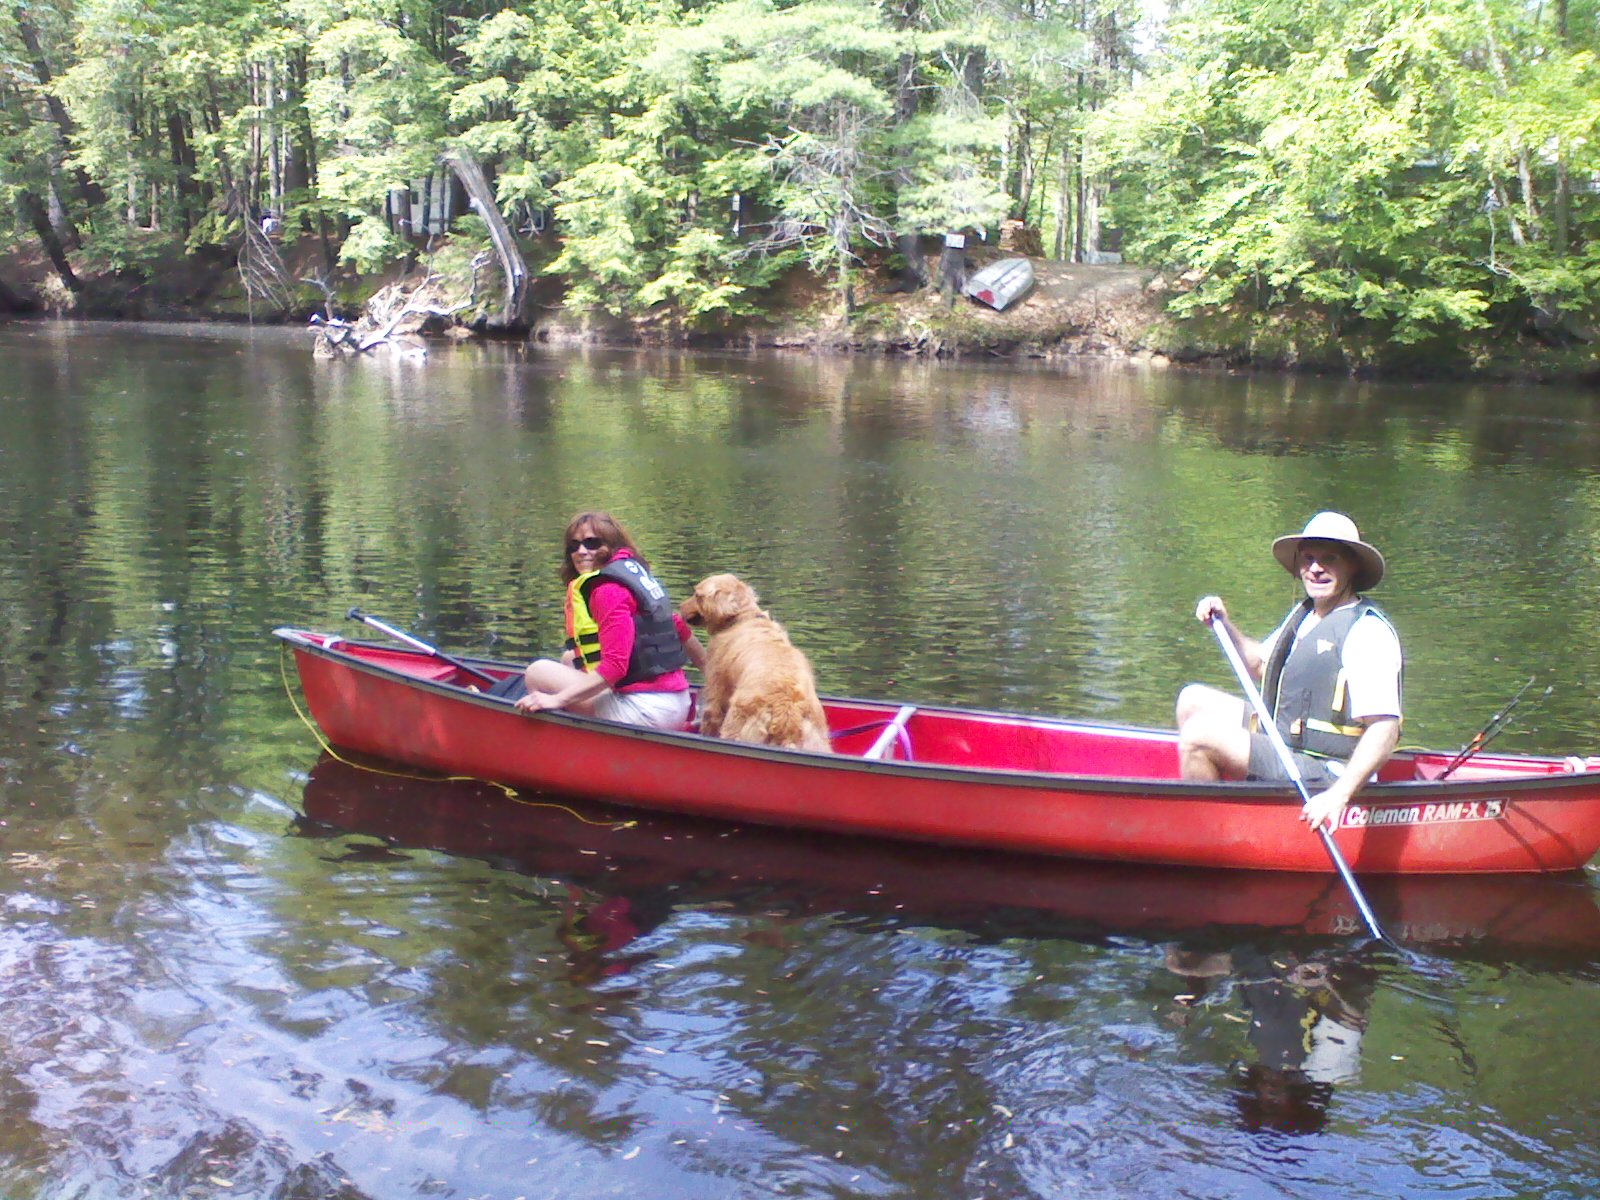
x,y
1002,283
379,701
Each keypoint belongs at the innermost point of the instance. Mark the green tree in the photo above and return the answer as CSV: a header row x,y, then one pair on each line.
x,y
816,80
35,132
1365,158
378,103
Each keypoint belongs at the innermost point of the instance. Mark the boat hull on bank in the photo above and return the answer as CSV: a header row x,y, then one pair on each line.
x,y
1035,785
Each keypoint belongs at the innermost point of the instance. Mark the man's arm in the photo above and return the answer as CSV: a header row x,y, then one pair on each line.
x,y
1211,608
1376,744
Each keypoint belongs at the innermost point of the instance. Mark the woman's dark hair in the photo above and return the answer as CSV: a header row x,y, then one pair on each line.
x,y
605,526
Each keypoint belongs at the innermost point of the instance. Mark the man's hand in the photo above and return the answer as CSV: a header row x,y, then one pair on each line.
x,y
1377,743
1326,808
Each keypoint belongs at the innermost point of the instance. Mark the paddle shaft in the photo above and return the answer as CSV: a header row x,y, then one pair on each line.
x,y
1270,728
400,635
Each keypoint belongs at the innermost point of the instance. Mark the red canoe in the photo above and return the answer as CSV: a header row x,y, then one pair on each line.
x,y
1039,785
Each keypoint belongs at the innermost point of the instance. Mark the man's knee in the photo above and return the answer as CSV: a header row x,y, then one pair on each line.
x,y
1186,705
1212,744
1195,700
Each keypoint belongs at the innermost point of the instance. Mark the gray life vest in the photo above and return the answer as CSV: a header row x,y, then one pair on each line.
x,y
1306,691
657,649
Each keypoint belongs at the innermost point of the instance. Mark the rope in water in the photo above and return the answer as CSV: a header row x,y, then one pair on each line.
x,y
510,792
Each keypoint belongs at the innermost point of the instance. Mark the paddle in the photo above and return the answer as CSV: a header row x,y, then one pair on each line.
x,y
355,614
1270,727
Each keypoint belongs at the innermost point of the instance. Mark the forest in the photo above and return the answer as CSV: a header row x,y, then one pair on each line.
x,y
1412,173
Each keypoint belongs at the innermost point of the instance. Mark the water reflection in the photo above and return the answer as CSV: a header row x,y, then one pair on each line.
x,y
591,856
1305,1020
1264,981
559,1009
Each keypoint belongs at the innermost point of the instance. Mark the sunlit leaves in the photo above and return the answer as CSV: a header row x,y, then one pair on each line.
x,y
1341,155
379,103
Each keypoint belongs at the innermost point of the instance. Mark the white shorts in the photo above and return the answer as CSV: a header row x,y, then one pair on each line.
x,y
659,710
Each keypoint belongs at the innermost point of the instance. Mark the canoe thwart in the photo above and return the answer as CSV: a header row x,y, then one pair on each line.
x,y
895,729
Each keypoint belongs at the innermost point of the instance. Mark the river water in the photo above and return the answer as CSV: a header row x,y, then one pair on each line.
x,y
233,966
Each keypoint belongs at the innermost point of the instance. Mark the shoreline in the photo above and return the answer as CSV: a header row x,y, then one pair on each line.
x,y
1073,313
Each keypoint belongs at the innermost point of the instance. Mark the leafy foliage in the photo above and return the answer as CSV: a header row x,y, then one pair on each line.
x,y
1412,170
1399,164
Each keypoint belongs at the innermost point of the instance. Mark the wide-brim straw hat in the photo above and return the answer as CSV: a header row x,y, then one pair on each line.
x,y
1333,527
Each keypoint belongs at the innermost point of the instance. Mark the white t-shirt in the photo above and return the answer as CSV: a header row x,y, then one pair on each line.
x,y
1371,662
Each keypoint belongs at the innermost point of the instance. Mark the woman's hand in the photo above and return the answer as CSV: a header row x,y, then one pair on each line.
x,y
1211,608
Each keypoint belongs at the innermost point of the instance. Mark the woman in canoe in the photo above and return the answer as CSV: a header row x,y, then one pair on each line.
x,y
626,645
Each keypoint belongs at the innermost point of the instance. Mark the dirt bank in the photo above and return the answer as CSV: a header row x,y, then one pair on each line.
x,y
1072,309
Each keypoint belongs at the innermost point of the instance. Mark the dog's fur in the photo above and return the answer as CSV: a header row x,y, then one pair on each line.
x,y
758,687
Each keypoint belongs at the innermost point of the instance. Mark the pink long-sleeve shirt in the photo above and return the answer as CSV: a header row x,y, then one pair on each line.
x,y
614,610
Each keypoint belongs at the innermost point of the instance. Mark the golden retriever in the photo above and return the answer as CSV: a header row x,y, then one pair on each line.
x,y
758,687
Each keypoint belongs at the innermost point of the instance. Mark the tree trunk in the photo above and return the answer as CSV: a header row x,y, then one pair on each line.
x,y
842,257
213,125
513,312
274,142
1040,192
973,66
88,190
914,274
254,146
1503,202
401,222
1503,88
33,211
1561,211
1063,199
1022,171
299,168
952,265
1080,187
182,156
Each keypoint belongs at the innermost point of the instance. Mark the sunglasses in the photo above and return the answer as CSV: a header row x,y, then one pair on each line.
x,y
588,543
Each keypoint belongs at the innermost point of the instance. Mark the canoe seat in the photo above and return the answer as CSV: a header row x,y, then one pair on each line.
x,y
894,731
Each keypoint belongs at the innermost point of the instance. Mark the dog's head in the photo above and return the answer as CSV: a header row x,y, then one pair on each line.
x,y
719,601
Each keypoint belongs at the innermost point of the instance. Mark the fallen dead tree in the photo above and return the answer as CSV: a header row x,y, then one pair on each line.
x,y
394,319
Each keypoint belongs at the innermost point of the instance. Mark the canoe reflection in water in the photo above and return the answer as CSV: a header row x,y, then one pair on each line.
x,y
658,862
1306,1018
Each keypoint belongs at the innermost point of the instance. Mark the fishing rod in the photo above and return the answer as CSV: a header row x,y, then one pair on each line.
x,y
1493,727
400,635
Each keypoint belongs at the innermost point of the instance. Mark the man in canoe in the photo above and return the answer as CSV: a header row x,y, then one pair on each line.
x,y
1330,675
